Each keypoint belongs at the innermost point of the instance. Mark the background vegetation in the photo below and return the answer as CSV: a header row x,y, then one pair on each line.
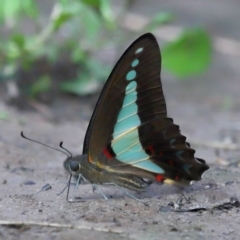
x,y
69,38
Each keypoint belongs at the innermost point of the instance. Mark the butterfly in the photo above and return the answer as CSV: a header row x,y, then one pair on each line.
x,y
130,141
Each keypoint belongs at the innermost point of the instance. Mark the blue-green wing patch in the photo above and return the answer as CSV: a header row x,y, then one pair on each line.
x,y
126,143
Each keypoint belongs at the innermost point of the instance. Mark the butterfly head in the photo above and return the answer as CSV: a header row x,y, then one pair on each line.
x,y
73,165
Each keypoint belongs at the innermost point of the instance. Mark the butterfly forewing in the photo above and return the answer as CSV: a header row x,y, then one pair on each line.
x,y
134,82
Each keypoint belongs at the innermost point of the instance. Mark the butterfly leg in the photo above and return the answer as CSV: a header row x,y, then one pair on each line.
x,y
58,194
78,182
94,187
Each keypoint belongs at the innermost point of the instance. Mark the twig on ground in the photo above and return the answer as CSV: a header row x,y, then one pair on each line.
x,y
58,225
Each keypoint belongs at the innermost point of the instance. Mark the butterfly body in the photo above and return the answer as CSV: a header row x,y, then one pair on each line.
x,y
130,141
104,175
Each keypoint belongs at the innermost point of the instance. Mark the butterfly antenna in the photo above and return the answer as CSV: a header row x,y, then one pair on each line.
x,y
61,146
23,136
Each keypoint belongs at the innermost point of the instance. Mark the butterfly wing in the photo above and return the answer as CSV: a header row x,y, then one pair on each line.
x,y
143,59
167,148
129,125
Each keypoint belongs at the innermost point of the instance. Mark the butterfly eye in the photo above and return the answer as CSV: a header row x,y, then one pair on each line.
x,y
74,166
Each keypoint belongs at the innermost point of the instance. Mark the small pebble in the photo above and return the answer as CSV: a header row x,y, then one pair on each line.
x,y
29,183
229,183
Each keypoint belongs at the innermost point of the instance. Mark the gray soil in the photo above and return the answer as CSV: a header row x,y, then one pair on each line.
x,y
208,110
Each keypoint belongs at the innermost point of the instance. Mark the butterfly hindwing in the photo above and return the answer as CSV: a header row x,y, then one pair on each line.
x,y
168,148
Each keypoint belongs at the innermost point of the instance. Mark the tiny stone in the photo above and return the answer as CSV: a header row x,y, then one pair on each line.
x,y
4,181
40,210
29,183
165,209
77,198
235,202
173,229
198,228
117,222
229,183
46,187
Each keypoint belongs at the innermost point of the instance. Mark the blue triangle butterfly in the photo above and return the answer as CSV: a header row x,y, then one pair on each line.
x,y
130,138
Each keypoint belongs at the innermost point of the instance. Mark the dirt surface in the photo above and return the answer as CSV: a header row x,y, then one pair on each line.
x,y
208,110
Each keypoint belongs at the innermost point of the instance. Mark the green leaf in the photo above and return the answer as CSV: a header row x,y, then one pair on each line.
x,y
19,46
78,55
107,13
59,20
92,23
19,40
30,8
92,3
158,20
102,9
42,85
188,55
12,50
80,86
10,10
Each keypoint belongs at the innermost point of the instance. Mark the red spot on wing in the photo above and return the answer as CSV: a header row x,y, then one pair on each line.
x,y
150,150
159,178
107,153
177,177
171,162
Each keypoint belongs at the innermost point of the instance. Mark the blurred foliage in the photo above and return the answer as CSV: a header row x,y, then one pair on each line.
x,y
188,55
4,115
43,84
84,27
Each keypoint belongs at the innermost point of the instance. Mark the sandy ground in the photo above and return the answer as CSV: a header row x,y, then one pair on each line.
x,y
210,208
